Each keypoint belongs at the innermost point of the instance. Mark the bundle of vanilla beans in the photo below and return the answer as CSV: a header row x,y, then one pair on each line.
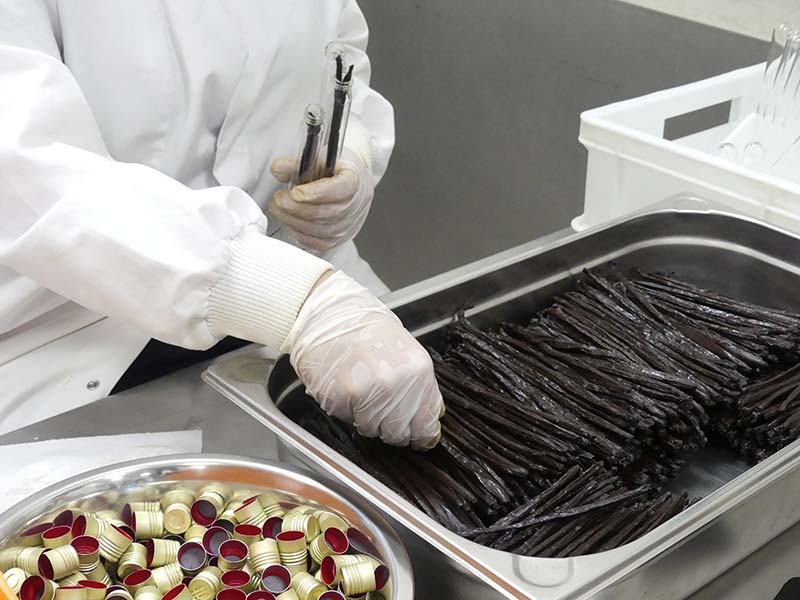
x,y
767,415
560,434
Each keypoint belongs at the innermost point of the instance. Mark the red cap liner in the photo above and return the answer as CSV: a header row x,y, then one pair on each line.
x,y
137,577
276,579
88,583
79,526
151,550
235,579
260,595
272,527
37,529
86,544
65,517
290,536
213,539
45,566
327,570
32,588
381,576
191,556
231,594
361,543
233,550
336,540
56,532
126,514
174,592
247,530
203,512
247,502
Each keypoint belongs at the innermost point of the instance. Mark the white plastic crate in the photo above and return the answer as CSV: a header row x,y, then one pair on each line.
x,y
631,166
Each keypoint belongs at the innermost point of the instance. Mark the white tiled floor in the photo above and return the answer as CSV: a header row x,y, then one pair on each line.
x,y
755,18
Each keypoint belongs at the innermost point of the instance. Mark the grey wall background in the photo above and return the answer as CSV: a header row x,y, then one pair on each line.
x,y
487,98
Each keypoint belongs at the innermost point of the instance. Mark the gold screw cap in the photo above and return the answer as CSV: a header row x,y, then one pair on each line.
x,y
147,524
177,518
59,562
233,555
32,536
206,584
162,552
57,536
249,534
99,573
192,558
235,579
264,553
179,592
167,577
113,543
71,592
147,593
9,557
307,586
133,559
177,496
138,580
88,549
306,523
36,587
331,541
95,590
15,578
276,579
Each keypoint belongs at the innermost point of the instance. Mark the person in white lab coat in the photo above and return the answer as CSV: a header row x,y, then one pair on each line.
x,y
141,143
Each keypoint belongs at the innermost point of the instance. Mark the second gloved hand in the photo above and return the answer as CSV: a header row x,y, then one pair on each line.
x,y
363,367
326,213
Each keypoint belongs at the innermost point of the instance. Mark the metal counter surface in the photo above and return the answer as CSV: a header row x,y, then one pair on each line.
x,y
177,402
182,401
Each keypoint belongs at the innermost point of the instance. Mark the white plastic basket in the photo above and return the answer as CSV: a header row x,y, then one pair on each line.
x,y
631,166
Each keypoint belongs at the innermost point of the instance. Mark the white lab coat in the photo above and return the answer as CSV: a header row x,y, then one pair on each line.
x,y
135,144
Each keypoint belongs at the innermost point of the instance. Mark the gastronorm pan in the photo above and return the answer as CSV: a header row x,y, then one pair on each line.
x,y
742,508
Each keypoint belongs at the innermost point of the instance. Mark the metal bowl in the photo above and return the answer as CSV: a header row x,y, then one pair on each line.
x,y
146,479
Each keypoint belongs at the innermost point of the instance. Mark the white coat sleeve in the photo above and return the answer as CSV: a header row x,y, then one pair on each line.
x,y
370,130
185,266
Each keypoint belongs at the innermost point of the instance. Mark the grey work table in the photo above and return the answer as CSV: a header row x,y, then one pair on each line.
x,y
181,401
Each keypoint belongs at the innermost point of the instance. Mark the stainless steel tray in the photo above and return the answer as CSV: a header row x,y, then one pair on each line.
x,y
148,478
742,508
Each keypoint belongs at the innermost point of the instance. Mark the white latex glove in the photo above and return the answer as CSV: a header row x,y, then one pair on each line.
x,y
362,366
326,213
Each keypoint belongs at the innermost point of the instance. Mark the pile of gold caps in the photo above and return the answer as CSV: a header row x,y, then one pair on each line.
x,y
212,543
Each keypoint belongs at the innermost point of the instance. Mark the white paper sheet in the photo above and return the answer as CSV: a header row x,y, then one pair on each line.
x,y
28,468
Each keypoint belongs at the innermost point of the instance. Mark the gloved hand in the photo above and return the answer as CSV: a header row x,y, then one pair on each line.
x,y
328,212
363,367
